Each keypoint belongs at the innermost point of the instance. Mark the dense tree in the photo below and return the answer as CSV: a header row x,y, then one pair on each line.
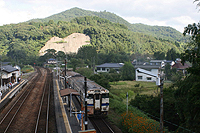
x,y
60,55
187,92
192,54
188,102
159,55
74,63
101,80
87,53
85,72
151,105
172,55
108,38
127,71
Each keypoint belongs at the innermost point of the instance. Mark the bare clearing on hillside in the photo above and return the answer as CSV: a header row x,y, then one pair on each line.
x,y
68,44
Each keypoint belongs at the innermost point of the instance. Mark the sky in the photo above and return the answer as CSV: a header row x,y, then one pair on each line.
x,y
174,13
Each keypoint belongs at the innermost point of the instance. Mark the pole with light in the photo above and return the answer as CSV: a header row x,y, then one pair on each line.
x,y
85,84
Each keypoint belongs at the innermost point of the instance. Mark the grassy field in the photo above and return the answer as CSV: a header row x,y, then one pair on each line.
x,y
134,87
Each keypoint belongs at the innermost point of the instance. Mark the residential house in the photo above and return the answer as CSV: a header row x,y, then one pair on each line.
x,y
154,69
107,66
180,67
157,62
170,62
51,61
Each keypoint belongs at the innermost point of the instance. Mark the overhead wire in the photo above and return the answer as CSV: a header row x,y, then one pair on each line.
x,y
164,120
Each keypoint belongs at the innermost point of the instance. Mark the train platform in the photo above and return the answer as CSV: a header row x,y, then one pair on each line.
x,y
66,122
10,93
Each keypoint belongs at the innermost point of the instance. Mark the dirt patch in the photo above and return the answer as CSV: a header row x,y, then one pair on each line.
x,y
69,44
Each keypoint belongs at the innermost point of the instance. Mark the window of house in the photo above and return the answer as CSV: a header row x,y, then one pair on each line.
x,y
148,78
103,69
139,77
98,68
107,69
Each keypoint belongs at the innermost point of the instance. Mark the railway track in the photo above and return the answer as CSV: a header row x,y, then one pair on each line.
x,y
43,114
30,111
101,125
8,118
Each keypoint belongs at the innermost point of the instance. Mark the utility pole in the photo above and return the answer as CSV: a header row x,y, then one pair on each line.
x,y
66,72
127,102
159,83
1,71
161,105
86,122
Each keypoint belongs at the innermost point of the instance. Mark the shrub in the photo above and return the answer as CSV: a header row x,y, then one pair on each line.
x,y
137,85
133,123
27,69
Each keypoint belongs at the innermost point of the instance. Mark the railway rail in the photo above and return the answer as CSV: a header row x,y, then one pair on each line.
x,y
100,125
8,118
43,114
30,106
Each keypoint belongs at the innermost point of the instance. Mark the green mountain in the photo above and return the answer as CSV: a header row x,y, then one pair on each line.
x,y
23,41
163,32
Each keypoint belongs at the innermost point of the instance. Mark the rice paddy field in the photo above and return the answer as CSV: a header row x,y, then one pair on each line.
x,y
135,87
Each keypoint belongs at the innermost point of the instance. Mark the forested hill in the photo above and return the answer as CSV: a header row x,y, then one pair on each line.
x,y
23,41
163,32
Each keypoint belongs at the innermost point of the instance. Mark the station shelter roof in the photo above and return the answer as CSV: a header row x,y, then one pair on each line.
x,y
8,68
68,91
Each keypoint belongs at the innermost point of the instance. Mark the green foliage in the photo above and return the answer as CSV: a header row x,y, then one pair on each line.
x,y
112,41
85,72
192,54
112,57
101,80
61,41
127,71
151,105
159,55
132,123
172,74
172,55
135,121
74,63
137,85
60,55
88,53
160,32
118,83
188,102
27,69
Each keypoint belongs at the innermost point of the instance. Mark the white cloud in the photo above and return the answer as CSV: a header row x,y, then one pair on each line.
x,y
41,11
184,20
180,22
145,21
2,3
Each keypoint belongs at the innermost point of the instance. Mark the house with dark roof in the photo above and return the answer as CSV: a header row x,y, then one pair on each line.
x,y
9,74
180,67
157,62
107,66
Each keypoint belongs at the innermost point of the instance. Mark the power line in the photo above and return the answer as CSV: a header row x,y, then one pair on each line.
x,y
164,120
